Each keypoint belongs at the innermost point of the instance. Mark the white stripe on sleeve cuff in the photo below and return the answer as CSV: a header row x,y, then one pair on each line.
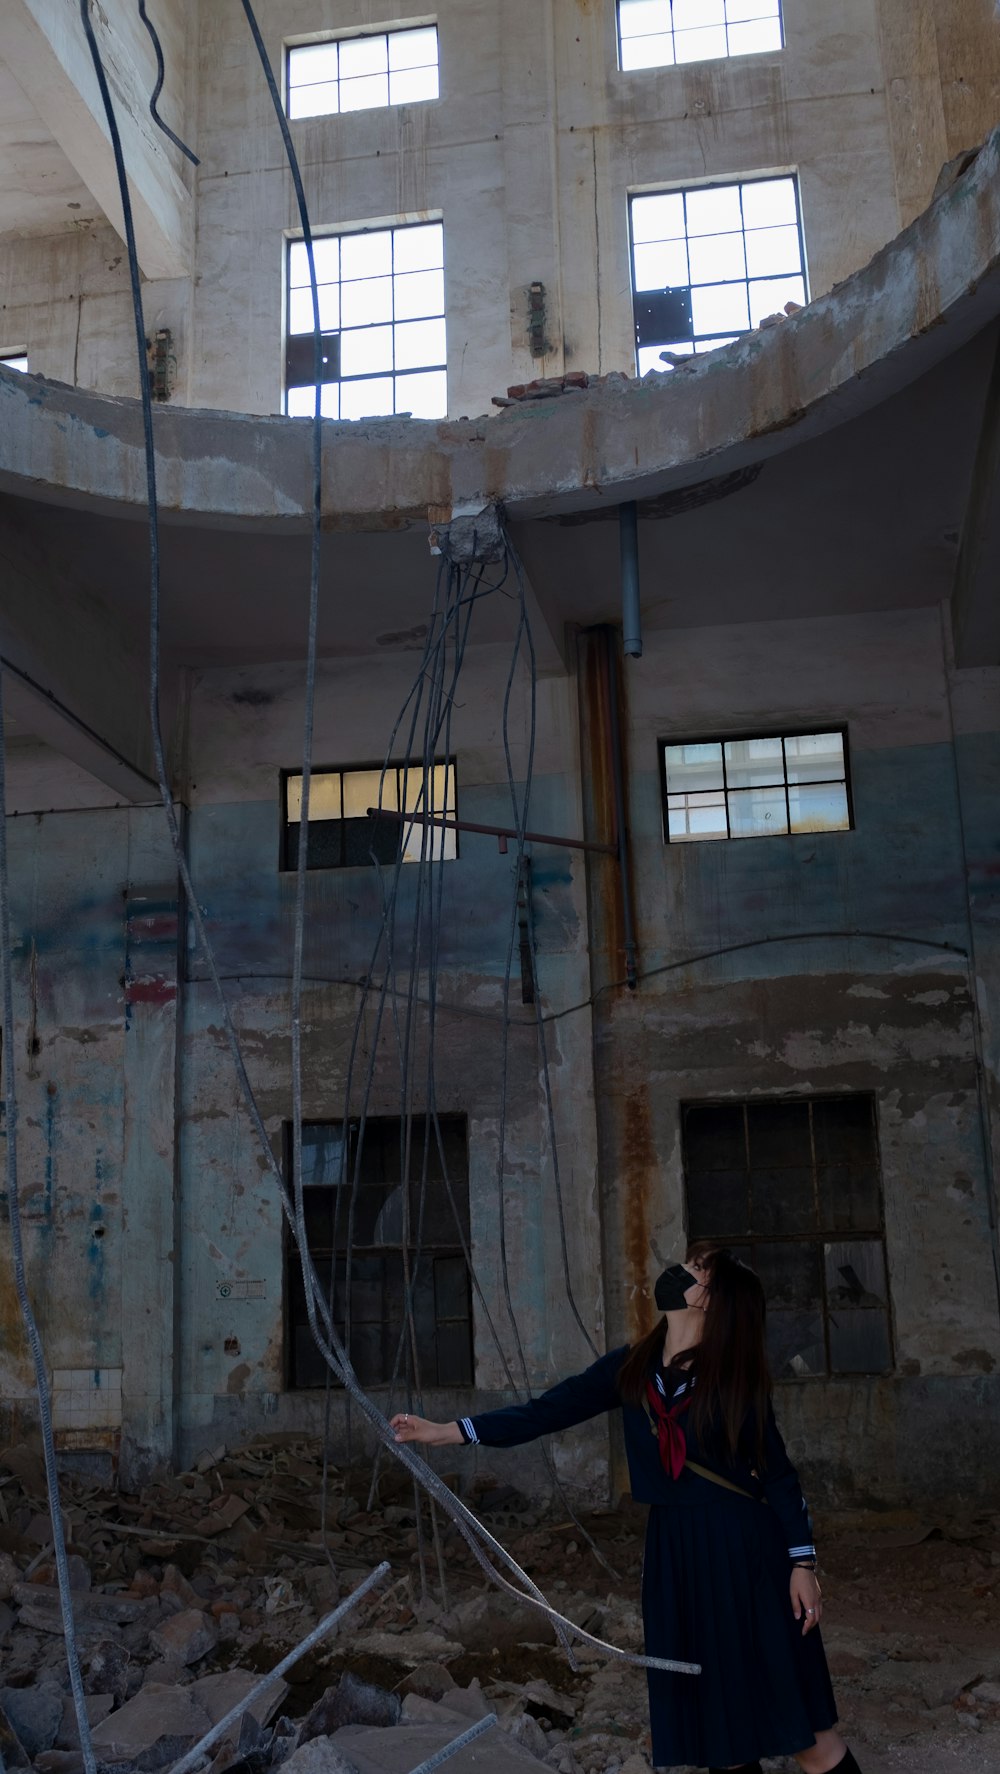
x,y
466,1426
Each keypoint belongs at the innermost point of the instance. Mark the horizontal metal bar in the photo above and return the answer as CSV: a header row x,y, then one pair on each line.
x,y
489,831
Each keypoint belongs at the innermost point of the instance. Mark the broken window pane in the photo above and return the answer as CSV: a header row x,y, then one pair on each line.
x,y
724,254
855,1273
795,1345
791,1273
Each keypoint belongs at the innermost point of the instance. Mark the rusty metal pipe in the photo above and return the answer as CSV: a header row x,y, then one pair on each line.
x,y
628,537
621,814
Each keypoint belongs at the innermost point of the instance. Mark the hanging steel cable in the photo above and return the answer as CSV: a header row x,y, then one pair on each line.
x,y
480,1541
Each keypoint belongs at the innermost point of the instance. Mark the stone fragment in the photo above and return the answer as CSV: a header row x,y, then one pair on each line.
x,y
431,1680
399,1750
98,1708
219,1693
986,1693
9,1575
12,1751
351,1702
318,1756
155,1712
188,1636
108,1670
529,1734
35,1714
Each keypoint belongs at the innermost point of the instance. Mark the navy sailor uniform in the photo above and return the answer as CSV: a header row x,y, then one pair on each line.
x,y
714,1580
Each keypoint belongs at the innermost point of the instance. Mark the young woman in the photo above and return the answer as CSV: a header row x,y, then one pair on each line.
x,y
729,1573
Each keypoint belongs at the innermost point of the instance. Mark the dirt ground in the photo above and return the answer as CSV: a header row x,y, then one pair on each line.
x,y
224,1569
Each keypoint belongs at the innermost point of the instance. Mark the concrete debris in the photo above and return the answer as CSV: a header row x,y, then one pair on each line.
x,y
176,1628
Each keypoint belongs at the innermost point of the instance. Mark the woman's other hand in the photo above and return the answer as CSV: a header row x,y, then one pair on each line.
x,y
406,1427
807,1598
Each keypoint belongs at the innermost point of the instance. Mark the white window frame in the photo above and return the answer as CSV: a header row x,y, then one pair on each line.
x,y
411,392
362,87
682,273
723,36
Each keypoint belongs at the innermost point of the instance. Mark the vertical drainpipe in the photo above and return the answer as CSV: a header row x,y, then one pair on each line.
x,y
617,748
628,535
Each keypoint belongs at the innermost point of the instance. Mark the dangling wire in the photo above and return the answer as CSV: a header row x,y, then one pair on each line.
x,y
483,1545
158,88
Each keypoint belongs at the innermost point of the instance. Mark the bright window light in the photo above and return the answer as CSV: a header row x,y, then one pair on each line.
x,y
761,787
363,73
711,262
659,33
383,346
17,360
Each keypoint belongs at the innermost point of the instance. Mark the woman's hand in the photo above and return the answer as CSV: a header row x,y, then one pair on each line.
x,y
409,1428
807,1598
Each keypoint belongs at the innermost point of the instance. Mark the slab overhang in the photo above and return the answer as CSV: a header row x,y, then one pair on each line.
x,y
828,458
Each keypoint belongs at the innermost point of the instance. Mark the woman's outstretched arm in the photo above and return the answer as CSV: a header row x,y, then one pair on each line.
x,y
573,1401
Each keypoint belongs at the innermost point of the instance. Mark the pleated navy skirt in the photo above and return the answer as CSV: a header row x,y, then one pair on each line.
x,y
715,1592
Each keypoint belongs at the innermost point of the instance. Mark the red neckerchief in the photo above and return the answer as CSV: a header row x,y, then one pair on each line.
x,y
667,1429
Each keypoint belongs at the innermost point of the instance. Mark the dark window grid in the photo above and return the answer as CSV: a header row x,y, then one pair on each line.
x,y
286,866
674,34
381,1136
329,283
816,1240
724,739
778,277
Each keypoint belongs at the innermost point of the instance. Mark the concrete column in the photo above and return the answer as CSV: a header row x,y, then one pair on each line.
x,y
150,1229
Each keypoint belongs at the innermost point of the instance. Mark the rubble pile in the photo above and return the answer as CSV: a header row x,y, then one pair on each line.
x,y
187,1594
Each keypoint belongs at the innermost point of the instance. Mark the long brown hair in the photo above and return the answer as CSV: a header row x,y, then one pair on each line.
x,y
733,1378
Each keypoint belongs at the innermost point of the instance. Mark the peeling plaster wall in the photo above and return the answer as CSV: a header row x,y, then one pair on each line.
x,y
530,155
244,728
132,1128
821,1000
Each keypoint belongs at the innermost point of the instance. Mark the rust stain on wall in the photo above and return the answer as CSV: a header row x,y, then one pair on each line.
x,y
638,1152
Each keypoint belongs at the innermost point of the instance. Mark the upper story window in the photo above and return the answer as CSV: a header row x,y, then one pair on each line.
x,y
381,311
710,262
760,787
794,1188
657,33
17,360
342,835
361,73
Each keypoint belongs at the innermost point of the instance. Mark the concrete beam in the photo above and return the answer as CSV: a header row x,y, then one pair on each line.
x,y
74,677
41,715
975,604
43,43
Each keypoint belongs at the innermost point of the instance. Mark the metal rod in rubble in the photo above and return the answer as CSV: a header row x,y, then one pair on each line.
x,y
319,1632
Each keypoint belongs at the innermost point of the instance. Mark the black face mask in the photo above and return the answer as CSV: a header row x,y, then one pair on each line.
x,y
671,1288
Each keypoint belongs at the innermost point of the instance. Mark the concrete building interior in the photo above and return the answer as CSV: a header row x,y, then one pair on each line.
x,y
500,669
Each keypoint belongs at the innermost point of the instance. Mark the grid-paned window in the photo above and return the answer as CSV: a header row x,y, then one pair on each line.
x,y
795,1189
711,262
361,73
657,33
17,360
342,833
768,785
427,1222
383,347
